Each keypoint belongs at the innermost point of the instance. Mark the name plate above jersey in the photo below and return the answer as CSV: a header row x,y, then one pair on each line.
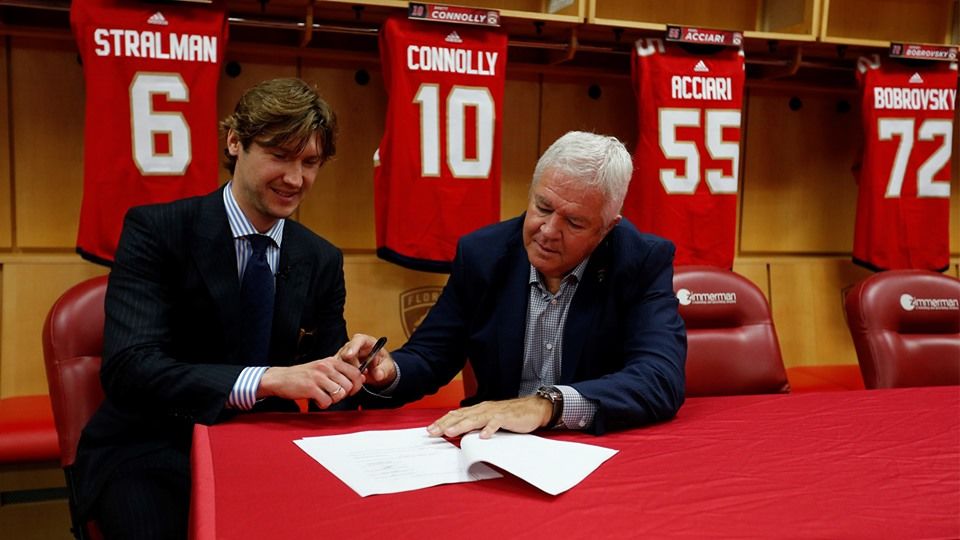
x,y
704,36
922,51
453,14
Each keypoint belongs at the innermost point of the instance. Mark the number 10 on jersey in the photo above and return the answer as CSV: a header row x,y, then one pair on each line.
x,y
453,111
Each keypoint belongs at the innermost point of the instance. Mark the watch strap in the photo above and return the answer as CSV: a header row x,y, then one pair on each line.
x,y
555,397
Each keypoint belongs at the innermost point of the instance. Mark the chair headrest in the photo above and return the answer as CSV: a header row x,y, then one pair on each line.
x,y
716,298
907,302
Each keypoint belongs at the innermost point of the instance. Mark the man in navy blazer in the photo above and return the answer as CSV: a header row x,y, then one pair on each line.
x,y
177,338
566,314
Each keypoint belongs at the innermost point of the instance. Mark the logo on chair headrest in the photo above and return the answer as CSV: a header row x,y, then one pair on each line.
x,y
687,297
909,303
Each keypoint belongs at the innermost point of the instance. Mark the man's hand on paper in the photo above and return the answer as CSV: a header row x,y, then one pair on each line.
x,y
326,381
521,415
381,372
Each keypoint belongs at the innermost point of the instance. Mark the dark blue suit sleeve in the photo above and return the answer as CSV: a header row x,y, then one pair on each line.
x,y
436,351
650,386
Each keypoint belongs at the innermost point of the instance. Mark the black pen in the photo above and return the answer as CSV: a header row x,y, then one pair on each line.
x,y
373,353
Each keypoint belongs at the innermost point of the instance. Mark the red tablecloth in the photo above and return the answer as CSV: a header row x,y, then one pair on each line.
x,y
859,464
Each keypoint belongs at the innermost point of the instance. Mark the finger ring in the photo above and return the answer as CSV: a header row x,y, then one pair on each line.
x,y
338,390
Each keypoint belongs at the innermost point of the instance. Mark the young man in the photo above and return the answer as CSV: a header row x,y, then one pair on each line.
x,y
567,313
215,304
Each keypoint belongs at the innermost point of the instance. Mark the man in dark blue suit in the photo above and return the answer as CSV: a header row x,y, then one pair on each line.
x,y
191,338
566,314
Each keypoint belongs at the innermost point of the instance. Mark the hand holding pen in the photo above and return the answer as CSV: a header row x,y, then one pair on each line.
x,y
364,351
373,354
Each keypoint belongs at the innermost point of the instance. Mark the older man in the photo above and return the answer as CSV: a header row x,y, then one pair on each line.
x,y
566,314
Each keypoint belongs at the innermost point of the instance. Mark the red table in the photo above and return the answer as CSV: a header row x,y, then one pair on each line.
x,y
859,464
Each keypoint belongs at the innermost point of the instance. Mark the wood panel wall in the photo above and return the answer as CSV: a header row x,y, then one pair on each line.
x,y
6,235
46,113
796,209
799,193
31,284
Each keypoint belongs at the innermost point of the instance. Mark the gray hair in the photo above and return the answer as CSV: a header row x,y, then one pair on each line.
x,y
597,161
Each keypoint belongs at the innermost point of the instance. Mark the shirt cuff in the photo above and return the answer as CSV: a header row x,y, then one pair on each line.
x,y
578,411
388,391
244,393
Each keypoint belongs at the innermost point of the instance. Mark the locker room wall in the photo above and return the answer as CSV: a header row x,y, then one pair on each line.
x,y
797,200
5,209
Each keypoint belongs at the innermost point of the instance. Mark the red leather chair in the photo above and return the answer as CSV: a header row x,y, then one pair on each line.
x,y
905,326
732,345
72,349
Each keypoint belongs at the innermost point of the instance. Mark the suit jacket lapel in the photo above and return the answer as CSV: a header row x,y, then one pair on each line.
x,y
217,260
584,311
512,316
293,276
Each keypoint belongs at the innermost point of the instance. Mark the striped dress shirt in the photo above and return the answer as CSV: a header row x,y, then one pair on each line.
x,y
244,393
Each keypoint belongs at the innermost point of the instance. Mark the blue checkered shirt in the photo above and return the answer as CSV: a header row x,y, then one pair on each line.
x,y
543,345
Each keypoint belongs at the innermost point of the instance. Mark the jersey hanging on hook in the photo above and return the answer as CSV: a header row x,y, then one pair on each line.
x,y
438,167
686,164
151,73
903,202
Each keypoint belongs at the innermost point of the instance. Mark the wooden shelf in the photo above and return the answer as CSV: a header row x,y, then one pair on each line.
x,y
779,36
761,19
875,23
599,31
520,9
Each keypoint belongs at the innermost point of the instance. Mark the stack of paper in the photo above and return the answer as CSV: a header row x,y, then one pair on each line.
x,y
373,462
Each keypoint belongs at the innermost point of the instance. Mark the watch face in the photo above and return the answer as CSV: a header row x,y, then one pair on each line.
x,y
548,393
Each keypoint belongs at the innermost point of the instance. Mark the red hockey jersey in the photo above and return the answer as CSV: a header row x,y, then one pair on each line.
x,y
686,164
151,73
903,203
438,166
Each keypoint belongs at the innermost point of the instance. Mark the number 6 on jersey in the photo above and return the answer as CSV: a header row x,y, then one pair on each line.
x,y
147,124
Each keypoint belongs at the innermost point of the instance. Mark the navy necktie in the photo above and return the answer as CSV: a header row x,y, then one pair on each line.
x,y
257,294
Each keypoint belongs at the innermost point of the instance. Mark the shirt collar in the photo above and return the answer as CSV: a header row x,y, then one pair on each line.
x,y
576,274
240,226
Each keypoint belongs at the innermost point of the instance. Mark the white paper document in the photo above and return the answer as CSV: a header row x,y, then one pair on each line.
x,y
553,466
391,461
